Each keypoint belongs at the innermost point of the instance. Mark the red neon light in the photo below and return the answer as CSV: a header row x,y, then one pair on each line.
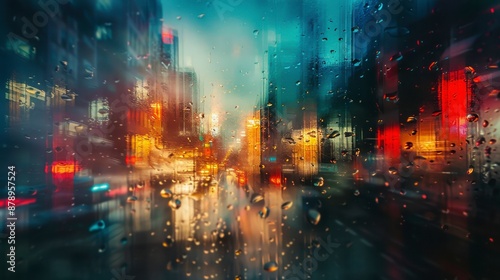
x,y
276,180
388,141
130,160
453,100
63,167
18,202
167,37
117,192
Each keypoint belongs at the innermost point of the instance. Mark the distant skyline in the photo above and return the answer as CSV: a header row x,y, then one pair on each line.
x,y
223,51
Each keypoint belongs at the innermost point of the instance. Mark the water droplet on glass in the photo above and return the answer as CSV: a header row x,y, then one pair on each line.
x,y
256,32
103,111
356,62
287,205
393,170
334,134
178,17
470,170
357,193
237,252
392,97
32,191
472,117
396,57
99,225
411,119
66,97
175,204
297,83
201,15
469,70
379,6
436,113
167,242
480,141
433,66
257,198
102,249
131,198
313,216
408,145
89,74
264,212
166,193
486,123
271,266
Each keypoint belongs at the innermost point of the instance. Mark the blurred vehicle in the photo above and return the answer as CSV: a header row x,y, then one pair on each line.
x,y
241,178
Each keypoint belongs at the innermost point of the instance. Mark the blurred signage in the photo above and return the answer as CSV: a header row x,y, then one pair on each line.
x,y
130,160
167,36
63,167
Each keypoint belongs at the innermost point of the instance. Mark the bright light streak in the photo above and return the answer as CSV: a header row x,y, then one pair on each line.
x,y
100,187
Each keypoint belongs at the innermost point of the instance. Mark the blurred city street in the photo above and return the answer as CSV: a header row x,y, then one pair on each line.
x,y
233,139
365,231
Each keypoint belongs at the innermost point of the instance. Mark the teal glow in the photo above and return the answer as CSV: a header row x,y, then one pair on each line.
x,y
100,187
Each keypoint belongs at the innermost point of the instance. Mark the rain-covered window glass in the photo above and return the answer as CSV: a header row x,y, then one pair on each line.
x,y
244,139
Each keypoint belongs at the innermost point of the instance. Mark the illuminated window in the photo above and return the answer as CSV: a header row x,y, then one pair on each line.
x,y
104,5
20,46
103,33
99,111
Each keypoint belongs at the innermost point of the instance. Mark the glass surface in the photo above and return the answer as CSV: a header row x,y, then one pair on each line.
x,y
249,139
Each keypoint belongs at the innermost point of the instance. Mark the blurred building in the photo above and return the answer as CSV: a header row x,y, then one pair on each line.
x,y
81,90
251,147
46,91
180,93
310,61
127,107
